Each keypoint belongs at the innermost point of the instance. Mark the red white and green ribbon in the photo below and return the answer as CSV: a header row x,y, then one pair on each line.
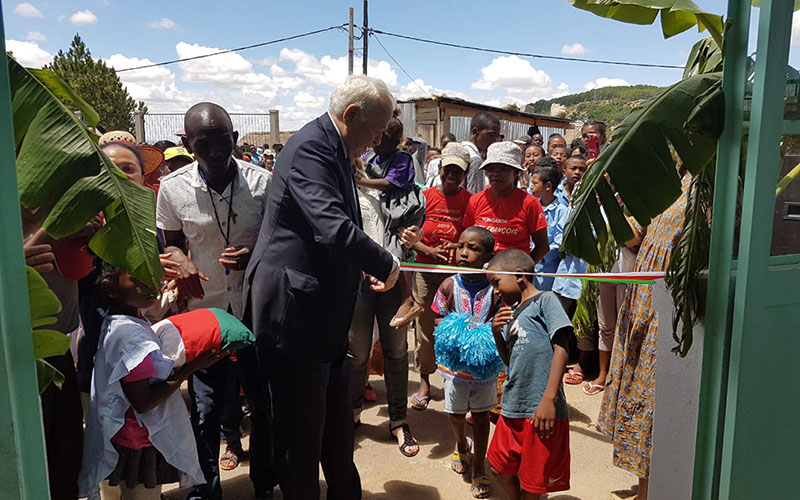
x,y
646,278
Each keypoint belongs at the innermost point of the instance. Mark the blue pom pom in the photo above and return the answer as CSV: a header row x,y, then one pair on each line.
x,y
448,338
460,345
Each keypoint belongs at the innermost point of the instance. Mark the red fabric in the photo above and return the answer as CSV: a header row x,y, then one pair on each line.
x,y
444,219
542,464
73,259
512,220
198,321
132,435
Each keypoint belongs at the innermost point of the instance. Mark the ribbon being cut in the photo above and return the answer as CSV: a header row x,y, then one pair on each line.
x,y
646,278
185,336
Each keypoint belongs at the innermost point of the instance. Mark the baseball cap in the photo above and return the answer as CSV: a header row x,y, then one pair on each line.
x,y
176,151
523,139
503,153
455,154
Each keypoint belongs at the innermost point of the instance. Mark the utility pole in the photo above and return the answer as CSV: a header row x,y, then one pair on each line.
x,y
350,46
366,38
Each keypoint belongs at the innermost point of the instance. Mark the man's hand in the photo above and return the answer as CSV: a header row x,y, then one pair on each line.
x,y
409,235
40,257
381,286
544,418
204,360
90,228
171,267
235,258
502,318
189,277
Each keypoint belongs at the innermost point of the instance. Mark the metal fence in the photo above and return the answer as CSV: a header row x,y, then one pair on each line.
x,y
253,128
459,126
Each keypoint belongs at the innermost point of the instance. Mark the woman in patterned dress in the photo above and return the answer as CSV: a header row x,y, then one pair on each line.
x,y
626,415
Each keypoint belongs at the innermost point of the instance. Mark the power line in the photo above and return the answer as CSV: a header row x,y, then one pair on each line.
x,y
246,47
525,54
398,64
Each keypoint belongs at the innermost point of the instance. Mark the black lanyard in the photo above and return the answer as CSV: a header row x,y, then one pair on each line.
x,y
227,233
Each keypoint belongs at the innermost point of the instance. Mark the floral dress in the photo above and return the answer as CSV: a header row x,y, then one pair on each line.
x,y
626,415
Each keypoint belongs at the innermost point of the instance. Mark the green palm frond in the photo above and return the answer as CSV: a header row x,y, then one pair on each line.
x,y
677,16
66,180
689,257
43,305
640,165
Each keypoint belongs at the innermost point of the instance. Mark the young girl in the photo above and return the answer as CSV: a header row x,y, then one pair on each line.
x,y
138,435
391,170
532,154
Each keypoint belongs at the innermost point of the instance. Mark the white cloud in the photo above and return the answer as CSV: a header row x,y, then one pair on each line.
x,y
306,100
83,17
27,10
796,28
35,36
164,23
156,86
575,49
28,53
522,82
605,82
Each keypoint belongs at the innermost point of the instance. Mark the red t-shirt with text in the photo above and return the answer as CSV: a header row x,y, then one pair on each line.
x,y
512,220
444,219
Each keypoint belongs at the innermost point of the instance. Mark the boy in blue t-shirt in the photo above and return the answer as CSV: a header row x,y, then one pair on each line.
x,y
529,452
544,180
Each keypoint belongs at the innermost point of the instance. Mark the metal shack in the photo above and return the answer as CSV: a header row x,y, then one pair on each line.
x,y
430,118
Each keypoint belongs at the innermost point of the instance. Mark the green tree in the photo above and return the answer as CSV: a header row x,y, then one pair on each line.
x,y
98,84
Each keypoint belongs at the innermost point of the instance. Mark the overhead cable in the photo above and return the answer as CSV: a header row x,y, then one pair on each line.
x,y
526,54
246,47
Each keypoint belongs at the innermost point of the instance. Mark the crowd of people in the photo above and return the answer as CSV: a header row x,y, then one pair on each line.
x,y
304,245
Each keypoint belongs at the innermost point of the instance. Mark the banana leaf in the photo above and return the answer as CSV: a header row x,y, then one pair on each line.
x,y
66,180
43,304
677,16
641,167
705,57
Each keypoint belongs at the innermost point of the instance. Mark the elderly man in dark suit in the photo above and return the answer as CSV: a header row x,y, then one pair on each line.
x,y
301,287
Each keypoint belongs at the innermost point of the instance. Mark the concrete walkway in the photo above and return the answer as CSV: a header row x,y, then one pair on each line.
x,y
386,474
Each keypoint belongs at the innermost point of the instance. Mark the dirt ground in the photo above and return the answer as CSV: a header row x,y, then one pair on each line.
x,y
386,474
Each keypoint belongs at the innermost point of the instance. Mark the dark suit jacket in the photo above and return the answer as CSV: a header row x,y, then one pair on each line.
x,y
301,285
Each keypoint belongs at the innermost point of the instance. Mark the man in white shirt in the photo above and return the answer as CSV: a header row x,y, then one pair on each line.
x,y
484,131
210,212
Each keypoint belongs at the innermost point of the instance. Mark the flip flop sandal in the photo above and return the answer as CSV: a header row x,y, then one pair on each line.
x,y
408,440
588,389
420,403
462,457
232,457
574,377
413,313
478,482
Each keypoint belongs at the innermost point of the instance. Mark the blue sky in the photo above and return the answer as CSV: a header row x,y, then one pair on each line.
x,y
297,76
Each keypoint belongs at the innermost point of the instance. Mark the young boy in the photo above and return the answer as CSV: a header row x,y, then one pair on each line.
x,y
544,181
529,453
574,169
559,153
568,290
469,294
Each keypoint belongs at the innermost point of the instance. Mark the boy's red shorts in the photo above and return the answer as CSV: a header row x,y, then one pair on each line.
x,y
542,464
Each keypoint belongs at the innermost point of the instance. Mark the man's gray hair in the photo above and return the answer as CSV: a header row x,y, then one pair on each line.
x,y
367,92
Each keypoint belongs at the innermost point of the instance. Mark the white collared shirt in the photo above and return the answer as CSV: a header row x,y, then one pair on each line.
x,y
184,205
340,135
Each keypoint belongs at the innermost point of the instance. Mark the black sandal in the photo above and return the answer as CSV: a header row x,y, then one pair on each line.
x,y
408,440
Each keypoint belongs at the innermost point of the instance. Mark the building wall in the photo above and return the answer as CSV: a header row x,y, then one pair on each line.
x,y
676,404
459,126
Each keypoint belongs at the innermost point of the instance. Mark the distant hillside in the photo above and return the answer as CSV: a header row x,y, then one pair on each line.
x,y
609,104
